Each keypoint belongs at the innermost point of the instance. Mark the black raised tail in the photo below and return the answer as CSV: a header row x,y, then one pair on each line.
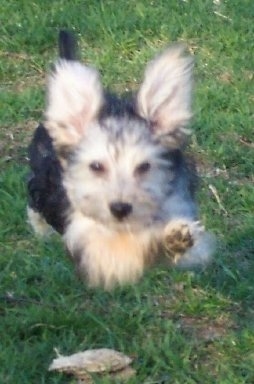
x,y
67,45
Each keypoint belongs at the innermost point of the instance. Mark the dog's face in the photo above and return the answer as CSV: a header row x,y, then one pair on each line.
x,y
117,171
118,174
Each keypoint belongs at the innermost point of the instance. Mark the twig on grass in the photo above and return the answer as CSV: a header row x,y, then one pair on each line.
x,y
217,198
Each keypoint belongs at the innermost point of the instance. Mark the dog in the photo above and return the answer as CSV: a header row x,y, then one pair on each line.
x,y
109,173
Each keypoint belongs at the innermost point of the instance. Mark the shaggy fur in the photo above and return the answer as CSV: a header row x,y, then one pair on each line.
x,y
109,173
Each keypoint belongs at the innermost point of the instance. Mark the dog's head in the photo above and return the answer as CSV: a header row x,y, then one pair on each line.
x,y
119,168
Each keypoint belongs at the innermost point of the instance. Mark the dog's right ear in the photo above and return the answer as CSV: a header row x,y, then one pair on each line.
x,y
75,97
164,98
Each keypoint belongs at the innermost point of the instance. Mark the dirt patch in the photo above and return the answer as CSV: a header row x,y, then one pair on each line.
x,y
205,329
14,141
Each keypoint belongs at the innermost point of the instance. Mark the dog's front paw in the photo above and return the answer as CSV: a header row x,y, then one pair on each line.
x,y
179,237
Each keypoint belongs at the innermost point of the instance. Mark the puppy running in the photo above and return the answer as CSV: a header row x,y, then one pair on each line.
x,y
109,173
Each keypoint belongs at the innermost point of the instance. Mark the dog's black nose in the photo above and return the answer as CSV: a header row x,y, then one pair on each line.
x,y
120,210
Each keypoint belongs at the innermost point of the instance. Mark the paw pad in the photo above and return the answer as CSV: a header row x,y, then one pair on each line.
x,y
177,240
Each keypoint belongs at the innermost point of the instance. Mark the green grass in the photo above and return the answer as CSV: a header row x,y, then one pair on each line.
x,y
181,327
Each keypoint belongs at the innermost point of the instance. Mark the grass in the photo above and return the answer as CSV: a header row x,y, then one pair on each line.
x,y
181,327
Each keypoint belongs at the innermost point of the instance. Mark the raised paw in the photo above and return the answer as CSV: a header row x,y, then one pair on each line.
x,y
178,238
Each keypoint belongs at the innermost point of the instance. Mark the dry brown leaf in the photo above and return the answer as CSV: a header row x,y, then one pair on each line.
x,y
103,361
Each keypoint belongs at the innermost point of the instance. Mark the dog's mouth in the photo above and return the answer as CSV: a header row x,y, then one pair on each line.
x,y
133,224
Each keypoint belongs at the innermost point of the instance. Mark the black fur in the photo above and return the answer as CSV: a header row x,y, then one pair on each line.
x,y
67,46
46,193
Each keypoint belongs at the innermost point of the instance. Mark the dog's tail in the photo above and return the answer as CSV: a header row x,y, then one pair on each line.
x,y
67,45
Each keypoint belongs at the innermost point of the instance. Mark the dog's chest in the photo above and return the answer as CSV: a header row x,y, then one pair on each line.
x,y
109,257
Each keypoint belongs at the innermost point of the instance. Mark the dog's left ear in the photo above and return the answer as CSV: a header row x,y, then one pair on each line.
x,y
75,97
164,98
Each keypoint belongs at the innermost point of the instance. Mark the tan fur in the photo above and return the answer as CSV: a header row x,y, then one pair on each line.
x,y
109,257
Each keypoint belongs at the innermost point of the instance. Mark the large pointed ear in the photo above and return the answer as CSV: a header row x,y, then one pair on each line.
x,y
164,98
74,99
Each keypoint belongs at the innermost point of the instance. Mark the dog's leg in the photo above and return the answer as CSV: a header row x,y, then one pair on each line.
x,y
38,223
187,243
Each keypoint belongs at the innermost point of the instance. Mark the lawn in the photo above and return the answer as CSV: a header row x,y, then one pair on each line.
x,y
181,327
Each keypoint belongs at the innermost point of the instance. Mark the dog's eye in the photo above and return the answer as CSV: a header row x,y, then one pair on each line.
x,y
142,168
97,167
